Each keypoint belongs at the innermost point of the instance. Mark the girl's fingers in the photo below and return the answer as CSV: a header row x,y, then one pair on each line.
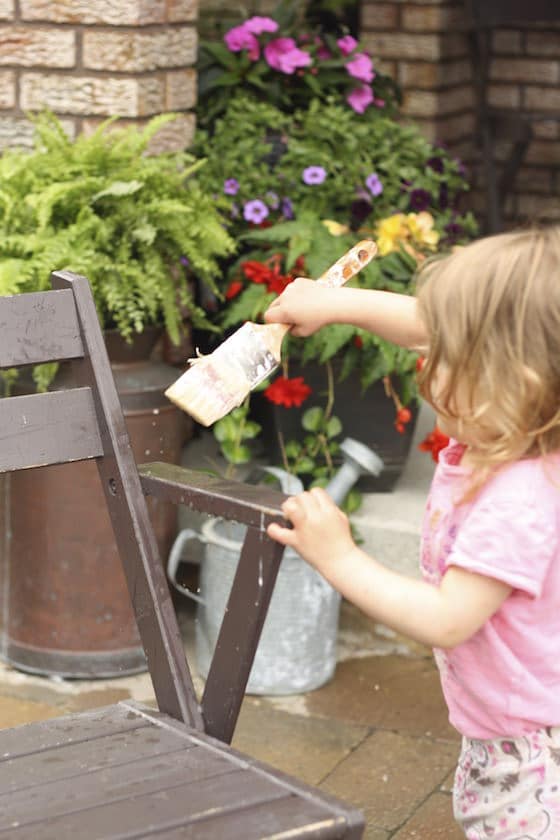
x,y
321,498
282,535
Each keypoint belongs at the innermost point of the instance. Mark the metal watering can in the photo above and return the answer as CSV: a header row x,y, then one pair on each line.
x,y
297,649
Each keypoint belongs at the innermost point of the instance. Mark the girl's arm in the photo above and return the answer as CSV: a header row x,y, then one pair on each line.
x,y
309,306
441,616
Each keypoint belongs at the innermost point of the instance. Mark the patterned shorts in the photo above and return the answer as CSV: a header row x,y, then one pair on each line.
x,y
509,789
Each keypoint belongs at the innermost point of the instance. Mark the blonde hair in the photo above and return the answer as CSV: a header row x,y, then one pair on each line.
x,y
492,311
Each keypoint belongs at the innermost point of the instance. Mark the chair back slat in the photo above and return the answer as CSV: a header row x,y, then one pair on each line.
x,y
52,428
39,327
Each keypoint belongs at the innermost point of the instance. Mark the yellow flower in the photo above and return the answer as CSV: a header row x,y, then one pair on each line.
x,y
421,226
389,232
400,230
335,228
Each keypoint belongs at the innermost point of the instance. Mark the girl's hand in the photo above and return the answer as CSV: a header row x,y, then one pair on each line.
x,y
321,531
305,304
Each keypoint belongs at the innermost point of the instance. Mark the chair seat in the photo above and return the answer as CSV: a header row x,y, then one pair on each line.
x,y
128,771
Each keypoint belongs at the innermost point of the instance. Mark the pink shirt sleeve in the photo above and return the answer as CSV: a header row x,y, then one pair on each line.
x,y
508,536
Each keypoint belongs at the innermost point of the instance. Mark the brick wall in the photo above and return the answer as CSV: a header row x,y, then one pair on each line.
x,y
423,44
87,60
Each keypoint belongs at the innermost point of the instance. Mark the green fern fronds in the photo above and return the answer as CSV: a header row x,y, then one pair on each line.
x,y
100,206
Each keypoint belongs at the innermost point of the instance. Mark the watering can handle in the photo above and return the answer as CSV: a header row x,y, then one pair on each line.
x,y
174,561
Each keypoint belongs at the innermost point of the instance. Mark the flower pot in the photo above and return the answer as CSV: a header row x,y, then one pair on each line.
x,y
366,416
66,608
297,649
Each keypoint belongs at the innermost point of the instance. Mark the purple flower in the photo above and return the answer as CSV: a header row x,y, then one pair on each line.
x,y
454,230
359,211
314,175
255,211
435,163
347,44
360,98
373,184
443,196
231,186
287,208
184,261
283,55
257,24
361,67
420,200
239,38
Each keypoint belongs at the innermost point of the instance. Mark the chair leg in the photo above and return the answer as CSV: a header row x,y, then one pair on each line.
x,y
240,633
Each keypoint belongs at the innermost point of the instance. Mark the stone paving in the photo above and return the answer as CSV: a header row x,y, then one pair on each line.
x,y
376,735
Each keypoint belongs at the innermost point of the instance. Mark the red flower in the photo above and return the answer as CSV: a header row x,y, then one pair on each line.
x,y
277,282
256,271
420,363
434,443
233,289
358,341
287,392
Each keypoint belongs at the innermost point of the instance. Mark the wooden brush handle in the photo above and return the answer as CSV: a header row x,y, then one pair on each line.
x,y
337,275
349,264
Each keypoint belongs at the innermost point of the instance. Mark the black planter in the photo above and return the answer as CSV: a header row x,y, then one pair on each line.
x,y
368,417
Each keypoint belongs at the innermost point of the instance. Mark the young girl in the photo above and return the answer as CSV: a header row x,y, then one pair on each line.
x,y
487,317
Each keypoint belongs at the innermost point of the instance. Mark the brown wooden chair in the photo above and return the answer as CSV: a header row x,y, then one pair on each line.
x,y
129,770
511,125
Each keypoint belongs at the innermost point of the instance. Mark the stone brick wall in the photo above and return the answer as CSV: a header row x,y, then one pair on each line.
x,y
423,44
87,60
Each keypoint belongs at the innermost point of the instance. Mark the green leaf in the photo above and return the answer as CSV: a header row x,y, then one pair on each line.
x,y
118,189
225,429
304,465
352,502
313,419
292,449
334,427
235,453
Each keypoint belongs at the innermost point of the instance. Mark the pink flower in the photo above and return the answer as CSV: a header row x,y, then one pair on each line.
x,y
361,67
360,98
347,44
257,24
283,55
239,38
322,50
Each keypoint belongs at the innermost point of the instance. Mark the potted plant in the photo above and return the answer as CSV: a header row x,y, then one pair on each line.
x,y
285,61
100,206
337,179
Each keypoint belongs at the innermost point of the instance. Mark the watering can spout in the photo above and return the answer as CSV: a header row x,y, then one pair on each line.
x,y
359,459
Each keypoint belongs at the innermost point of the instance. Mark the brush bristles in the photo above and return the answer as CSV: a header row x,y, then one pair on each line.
x,y
216,384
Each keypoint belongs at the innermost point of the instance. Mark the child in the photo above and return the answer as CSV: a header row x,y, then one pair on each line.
x,y
488,319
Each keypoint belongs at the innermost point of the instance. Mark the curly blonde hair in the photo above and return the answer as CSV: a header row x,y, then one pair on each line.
x,y
492,312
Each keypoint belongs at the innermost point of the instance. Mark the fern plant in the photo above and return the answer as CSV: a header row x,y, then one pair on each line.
x,y
102,207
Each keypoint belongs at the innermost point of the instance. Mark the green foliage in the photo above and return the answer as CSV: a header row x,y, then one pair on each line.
x,y
102,207
312,458
267,152
233,433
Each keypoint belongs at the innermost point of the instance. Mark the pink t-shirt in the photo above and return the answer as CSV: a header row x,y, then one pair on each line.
x,y
504,680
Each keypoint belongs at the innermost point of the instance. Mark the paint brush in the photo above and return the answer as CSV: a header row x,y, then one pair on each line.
x,y
215,384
